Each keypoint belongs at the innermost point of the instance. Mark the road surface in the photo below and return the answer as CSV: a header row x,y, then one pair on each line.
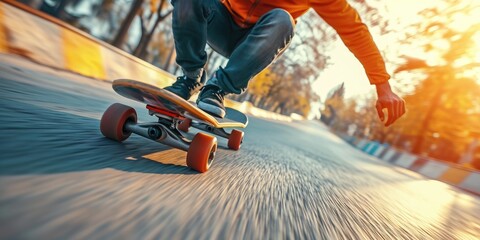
x,y
61,179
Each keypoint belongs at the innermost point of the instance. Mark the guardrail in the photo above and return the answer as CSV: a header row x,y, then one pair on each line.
x,y
46,40
453,174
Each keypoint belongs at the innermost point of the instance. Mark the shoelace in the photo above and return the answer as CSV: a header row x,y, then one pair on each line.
x,y
184,82
217,92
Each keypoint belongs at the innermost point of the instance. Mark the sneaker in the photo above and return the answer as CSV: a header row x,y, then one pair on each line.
x,y
211,100
186,87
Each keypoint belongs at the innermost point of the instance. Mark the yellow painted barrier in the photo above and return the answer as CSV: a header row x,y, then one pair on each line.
x,y
82,55
3,34
454,176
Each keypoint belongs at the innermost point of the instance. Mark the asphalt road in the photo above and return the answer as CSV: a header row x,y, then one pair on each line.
x,y
61,179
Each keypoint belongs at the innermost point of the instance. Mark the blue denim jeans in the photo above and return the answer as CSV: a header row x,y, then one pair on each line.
x,y
249,50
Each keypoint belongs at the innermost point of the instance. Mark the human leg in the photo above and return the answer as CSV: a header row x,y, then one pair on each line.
x,y
261,45
191,21
189,25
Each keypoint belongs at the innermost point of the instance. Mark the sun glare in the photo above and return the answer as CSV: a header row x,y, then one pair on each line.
x,y
466,18
438,207
476,39
461,22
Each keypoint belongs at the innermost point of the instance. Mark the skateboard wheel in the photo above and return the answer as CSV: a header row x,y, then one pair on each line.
x,y
201,153
185,125
235,139
113,121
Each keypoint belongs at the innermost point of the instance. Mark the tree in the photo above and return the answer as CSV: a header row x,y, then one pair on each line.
x,y
448,88
121,35
333,103
442,87
159,11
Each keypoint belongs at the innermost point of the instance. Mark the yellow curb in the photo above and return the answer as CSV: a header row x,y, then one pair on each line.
x,y
454,176
3,34
82,55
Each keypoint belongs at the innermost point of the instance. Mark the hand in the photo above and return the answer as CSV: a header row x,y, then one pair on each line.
x,y
394,104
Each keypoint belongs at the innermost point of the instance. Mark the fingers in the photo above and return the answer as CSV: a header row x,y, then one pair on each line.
x,y
398,109
379,111
403,108
393,103
395,110
391,114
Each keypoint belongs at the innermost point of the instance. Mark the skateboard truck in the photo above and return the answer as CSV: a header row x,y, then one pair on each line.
x,y
179,122
120,121
160,133
175,116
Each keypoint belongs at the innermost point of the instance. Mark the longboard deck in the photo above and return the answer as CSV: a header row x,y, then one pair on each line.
x,y
163,99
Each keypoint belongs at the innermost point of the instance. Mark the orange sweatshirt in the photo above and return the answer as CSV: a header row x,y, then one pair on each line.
x,y
337,13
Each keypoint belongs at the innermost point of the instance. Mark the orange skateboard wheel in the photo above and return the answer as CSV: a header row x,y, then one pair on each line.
x,y
235,139
185,125
201,153
112,124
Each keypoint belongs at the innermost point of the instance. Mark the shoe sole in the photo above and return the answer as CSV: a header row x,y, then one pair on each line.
x,y
211,109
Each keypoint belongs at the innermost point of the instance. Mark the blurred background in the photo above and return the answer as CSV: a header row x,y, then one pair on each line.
x,y
431,47
292,179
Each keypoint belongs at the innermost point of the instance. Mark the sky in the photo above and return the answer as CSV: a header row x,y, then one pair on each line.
x,y
344,67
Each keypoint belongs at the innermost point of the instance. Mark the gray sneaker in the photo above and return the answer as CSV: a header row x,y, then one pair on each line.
x,y
211,100
187,87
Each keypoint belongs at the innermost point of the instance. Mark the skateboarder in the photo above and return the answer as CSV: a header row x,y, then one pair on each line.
x,y
252,34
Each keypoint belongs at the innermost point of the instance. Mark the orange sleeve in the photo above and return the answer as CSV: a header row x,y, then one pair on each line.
x,y
355,35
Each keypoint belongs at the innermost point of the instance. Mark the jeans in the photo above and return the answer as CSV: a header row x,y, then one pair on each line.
x,y
249,50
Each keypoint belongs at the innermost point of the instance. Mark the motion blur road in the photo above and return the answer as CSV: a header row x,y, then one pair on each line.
x,y
61,179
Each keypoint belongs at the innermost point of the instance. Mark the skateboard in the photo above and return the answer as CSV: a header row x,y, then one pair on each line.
x,y
175,116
